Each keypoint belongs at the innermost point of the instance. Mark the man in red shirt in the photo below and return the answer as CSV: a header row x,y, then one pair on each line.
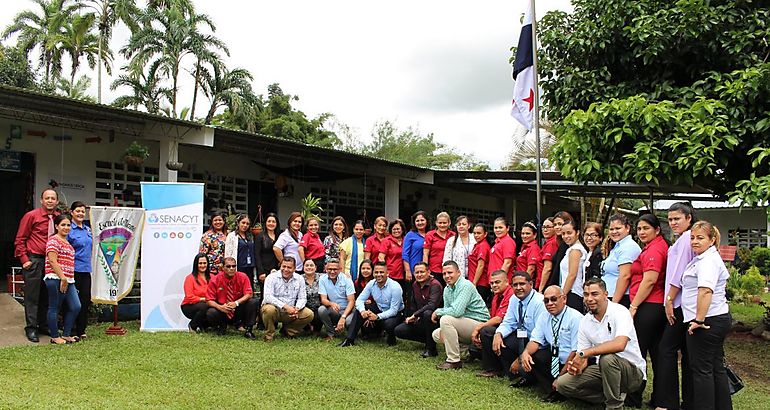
x,y
502,291
230,300
31,238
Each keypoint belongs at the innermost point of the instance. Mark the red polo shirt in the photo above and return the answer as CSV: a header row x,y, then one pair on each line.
x,y
652,258
529,255
504,248
32,236
373,245
221,285
500,303
436,245
314,248
391,248
480,252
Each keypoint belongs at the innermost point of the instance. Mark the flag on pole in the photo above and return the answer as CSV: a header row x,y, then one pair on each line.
x,y
524,74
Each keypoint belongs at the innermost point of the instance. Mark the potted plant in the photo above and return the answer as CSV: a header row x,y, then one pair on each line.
x,y
136,153
310,206
256,229
174,165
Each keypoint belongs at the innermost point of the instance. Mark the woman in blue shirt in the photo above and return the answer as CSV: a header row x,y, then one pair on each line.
x,y
81,239
622,251
411,251
240,245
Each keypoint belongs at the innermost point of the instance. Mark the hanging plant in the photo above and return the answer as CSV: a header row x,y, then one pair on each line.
x,y
136,153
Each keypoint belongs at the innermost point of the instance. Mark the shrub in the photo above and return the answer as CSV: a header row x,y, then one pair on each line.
x,y
735,291
752,282
742,258
760,257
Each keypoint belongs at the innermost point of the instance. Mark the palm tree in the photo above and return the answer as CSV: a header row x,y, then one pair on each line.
x,y
231,89
77,90
108,14
41,30
175,36
146,90
78,41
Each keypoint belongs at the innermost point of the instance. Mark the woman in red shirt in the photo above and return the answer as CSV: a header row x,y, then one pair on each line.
x,y
503,252
195,285
60,281
477,263
311,247
529,256
434,245
546,254
390,252
648,276
373,243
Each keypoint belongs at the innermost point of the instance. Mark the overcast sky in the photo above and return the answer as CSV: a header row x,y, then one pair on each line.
x,y
440,66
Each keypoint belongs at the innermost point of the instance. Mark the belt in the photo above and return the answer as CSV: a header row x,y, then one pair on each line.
x,y
35,255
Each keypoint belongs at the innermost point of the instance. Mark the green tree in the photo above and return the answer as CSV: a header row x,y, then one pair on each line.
x,y
41,31
231,89
108,14
147,90
15,69
78,41
77,90
169,35
411,147
654,91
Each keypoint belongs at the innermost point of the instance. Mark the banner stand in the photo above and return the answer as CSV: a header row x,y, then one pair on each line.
x,y
116,329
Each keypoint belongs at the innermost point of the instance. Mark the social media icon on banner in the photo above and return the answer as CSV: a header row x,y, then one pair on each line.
x,y
164,235
180,235
156,235
188,235
172,235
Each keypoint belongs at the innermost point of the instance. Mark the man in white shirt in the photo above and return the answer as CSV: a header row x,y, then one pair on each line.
x,y
284,301
607,333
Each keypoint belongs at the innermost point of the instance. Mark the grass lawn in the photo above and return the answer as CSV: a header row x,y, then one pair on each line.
x,y
181,370
750,313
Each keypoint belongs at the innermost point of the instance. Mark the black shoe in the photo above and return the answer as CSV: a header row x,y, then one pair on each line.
x,y
221,330
554,397
32,335
249,335
345,343
428,353
391,341
44,331
520,382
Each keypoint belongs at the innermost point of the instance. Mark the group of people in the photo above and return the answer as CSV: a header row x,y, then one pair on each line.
x,y
577,316
54,249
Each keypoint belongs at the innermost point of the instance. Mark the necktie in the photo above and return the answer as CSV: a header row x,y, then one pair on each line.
x,y
50,225
555,348
521,315
230,295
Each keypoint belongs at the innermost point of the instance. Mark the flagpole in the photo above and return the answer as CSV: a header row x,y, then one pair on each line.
x,y
536,117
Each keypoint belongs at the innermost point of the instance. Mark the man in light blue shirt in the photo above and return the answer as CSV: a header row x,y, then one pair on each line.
x,y
513,334
338,296
385,311
553,342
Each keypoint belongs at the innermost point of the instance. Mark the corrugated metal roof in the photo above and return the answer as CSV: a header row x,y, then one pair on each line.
x,y
664,204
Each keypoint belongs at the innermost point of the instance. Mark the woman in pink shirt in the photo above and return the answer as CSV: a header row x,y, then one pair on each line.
x,y
60,281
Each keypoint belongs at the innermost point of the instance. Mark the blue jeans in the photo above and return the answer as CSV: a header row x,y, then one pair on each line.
x,y
55,299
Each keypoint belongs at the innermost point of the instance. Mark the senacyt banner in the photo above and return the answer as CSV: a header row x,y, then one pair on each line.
x,y
169,243
116,241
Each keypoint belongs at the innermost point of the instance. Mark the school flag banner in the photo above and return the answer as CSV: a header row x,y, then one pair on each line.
x,y
524,74
117,233
169,243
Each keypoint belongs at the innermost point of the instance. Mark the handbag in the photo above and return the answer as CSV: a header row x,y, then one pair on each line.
x,y
734,382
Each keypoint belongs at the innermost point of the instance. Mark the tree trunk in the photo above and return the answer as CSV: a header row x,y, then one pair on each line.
x,y
195,89
212,110
99,72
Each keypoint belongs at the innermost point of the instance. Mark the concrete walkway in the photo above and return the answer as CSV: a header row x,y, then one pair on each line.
x,y
12,324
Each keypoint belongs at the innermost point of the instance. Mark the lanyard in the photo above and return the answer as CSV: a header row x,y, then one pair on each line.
x,y
524,310
557,329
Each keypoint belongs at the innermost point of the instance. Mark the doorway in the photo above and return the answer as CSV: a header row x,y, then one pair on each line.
x,y
17,189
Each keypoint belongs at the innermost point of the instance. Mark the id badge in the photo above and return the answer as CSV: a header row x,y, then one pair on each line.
x,y
554,351
248,260
521,333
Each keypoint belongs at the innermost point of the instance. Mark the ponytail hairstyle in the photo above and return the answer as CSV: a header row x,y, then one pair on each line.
x,y
654,222
238,219
686,209
609,243
711,230
531,225
573,224
292,216
564,216
456,237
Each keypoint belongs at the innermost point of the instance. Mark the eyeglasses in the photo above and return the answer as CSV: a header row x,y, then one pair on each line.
x,y
591,235
552,299
230,266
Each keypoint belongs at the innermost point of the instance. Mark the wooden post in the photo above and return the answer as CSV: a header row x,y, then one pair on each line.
x,y
116,329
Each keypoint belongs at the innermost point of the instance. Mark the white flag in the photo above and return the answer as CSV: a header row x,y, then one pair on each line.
x,y
117,233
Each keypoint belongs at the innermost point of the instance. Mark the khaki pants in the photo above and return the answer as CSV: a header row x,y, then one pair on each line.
x,y
608,382
451,332
271,315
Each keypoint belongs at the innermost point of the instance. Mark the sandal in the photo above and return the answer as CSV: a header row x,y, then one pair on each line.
x,y
71,339
54,342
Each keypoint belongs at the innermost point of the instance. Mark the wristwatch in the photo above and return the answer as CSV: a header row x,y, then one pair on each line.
x,y
581,353
700,322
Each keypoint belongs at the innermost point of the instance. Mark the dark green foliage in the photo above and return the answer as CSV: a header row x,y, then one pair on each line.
x,y
15,69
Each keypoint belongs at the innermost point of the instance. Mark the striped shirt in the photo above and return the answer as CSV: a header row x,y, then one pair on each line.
x,y
65,256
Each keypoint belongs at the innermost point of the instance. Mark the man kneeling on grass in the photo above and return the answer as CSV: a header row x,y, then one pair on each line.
x,y
386,310
284,301
463,310
229,297
606,332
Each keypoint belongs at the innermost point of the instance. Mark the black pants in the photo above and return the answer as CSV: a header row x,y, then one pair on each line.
x,y
625,301
421,331
666,384
486,294
705,349
35,294
541,370
388,325
83,285
406,292
439,277
649,322
196,312
575,302
249,271
246,314
512,350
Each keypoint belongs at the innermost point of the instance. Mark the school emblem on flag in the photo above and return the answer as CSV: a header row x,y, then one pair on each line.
x,y
112,243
